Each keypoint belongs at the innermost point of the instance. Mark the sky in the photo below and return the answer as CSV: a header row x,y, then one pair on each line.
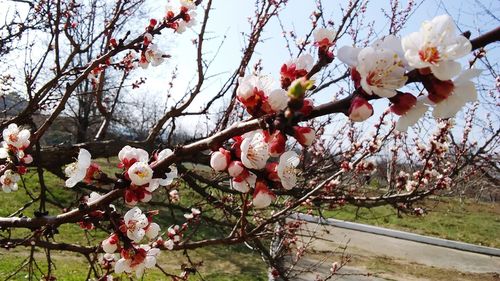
x,y
229,19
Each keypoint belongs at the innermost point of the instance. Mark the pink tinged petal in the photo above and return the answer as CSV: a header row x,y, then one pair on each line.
x,y
153,185
278,100
164,154
461,47
132,214
4,153
71,182
150,262
120,265
84,158
305,61
235,168
349,55
449,107
412,116
446,70
385,93
466,91
24,135
138,235
153,252
262,200
391,42
170,176
169,244
246,184
108,247
218,161
123,152
360,110
139,270
147,198
152,230
286,169
467,75
304,135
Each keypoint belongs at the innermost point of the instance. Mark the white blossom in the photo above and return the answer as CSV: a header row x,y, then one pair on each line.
x,y
16,137
145,254
463,92
140,173
436,45
286,170
324,36
129,154
135,222
77,171
254,151
9,181
412,116
380,66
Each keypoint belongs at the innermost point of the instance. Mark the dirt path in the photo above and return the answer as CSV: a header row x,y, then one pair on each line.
x,y
384,254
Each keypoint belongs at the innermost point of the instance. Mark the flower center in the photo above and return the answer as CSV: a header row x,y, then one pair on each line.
x,y
429,54
374,78
141,173
13,138
132,225
70,169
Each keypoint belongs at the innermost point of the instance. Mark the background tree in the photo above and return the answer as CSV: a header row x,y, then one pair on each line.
x,y
275,148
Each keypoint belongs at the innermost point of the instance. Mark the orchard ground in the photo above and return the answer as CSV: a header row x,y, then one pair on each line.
x,y
449,218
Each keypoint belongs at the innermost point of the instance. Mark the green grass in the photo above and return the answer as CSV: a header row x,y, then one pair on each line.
x,y
218,263
471,222
467,221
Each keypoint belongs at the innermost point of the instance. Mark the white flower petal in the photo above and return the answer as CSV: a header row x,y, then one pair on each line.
x,y
278,99
349,55
446,70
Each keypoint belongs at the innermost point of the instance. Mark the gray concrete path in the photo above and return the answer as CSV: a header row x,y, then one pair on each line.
x,y
373,245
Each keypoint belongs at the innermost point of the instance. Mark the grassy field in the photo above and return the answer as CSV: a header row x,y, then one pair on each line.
x,y
470,222
467,221
219,263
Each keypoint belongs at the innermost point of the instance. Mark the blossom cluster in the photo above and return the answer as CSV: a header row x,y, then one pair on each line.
x,y
15,142
247,162
138,171
83,169
135,257
178,17
382,68
258,161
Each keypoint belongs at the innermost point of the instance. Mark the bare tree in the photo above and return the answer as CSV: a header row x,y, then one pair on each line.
x,y
273,150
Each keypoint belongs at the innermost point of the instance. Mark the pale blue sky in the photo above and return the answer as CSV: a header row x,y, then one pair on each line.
x,y
229,18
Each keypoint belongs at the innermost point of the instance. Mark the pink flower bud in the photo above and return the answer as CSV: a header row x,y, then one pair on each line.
x,y
438,90
402,103
272,171
27,159
356,77
277,143
236,168
360,109
220,159
262,197
304,135
307,107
